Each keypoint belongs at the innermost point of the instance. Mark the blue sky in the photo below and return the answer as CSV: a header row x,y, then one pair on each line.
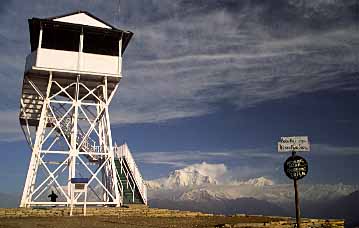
x,y
214,81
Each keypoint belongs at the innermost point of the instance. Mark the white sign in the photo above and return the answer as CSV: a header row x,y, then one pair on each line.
x,y
294,143
80,187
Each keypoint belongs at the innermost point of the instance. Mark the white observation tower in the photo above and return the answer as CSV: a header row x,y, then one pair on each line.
x,y
70,78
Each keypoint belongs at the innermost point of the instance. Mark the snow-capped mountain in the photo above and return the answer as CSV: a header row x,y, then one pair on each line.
x,y
209,188
258,182
186,178
195,175
206,182
203,194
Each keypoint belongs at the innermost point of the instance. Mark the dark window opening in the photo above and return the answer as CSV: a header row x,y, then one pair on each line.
x,y
60,39
34,37
101,44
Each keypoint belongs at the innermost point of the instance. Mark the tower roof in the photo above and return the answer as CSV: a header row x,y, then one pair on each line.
x,y
82,18
81,21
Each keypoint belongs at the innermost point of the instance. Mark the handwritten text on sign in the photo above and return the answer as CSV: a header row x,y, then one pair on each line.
x,y
294,143
296,167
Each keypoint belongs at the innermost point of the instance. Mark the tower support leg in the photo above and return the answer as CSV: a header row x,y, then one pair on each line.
x,y
73,139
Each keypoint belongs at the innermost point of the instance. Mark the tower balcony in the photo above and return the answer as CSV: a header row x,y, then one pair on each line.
x,y
43,59
76,44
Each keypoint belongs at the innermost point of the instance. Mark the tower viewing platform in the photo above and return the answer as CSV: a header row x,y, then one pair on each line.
x,y
77,43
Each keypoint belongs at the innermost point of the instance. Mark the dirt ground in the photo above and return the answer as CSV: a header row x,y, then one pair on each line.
x,y
124,222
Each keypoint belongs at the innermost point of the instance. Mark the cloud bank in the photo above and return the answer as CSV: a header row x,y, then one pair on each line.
x,y
189,57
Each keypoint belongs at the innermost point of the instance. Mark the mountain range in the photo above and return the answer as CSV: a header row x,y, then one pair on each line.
x,y
207,188
203,182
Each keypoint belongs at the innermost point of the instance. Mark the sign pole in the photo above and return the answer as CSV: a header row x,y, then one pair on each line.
x,y
295,167
296,193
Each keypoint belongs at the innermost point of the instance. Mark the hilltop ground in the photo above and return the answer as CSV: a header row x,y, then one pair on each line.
x,y
141,217
123,222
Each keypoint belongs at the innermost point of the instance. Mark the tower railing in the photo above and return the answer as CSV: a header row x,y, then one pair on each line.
x,y
124,151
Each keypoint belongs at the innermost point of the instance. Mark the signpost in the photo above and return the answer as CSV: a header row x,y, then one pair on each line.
x,y
295,167
79,186
295,143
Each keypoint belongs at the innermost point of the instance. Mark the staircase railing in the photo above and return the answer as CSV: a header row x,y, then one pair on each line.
x,y
130,182
120,185
89,145
124,151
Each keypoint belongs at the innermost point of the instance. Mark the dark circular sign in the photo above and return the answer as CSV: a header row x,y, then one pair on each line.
x,y
296,167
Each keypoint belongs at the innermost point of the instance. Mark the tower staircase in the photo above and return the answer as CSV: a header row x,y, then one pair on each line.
x,y
130,182
133,186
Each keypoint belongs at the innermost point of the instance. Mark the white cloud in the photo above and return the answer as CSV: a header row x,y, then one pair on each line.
x,y
177,158
249,163
182,64
196,63
180,159
325,149
213,170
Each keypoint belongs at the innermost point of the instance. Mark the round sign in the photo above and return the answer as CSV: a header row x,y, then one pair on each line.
x,y
296,167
